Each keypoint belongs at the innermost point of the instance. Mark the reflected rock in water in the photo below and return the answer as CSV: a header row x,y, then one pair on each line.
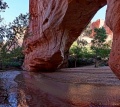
x,y
65,88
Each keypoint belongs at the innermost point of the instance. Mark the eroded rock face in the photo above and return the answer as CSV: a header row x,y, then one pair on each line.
x,y
101,23
113,21
54,26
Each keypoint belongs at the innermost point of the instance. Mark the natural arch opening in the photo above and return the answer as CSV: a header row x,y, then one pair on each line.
x,y
84,52
48,48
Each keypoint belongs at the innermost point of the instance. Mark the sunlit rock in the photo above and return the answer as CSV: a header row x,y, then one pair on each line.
x,y
101,23
54,26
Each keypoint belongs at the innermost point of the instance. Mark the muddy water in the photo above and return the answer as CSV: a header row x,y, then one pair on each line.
x,y
8,89
61,89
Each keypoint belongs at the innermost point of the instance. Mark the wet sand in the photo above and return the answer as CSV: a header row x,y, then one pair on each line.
x,y
78,87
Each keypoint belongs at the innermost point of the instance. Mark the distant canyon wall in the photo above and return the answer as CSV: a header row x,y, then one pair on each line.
x,y
101,23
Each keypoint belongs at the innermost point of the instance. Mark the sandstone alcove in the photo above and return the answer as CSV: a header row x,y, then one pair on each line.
x,y
81,52
52,26
50,35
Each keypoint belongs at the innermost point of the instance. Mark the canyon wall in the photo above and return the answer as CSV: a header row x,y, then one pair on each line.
x,y
113,21
101,23
54,25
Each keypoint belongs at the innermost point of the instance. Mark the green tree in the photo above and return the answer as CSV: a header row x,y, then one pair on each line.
x,y
16,30
87,31
98,44
79,48
3,6
11,50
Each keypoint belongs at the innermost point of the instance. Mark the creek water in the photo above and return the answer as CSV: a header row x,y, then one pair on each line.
x,y
81,88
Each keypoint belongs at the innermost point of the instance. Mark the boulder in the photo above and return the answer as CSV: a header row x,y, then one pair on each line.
x,y
54,25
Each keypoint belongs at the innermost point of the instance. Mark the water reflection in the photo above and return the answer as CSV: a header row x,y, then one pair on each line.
x,y
9,92
66,94
28,89
22,99
96,94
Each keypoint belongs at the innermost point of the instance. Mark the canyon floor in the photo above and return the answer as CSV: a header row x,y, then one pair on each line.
x,y
70,87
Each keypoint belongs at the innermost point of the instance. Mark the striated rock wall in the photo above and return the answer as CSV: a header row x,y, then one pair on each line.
x,y
54,25
113,21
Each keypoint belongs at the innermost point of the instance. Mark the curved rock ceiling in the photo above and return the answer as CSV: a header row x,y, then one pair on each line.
x,y
56,24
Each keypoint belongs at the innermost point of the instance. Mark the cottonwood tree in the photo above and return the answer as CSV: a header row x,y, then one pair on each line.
x,y
16,30
13,32
98,43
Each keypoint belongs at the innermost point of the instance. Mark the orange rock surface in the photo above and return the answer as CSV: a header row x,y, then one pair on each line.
x,y
54,26
101,23
113,21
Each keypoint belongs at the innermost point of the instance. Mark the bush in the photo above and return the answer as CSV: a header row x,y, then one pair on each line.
x,y
72,62
12,58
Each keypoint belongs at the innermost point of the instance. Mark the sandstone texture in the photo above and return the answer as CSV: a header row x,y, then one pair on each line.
x,y
113,21
54,25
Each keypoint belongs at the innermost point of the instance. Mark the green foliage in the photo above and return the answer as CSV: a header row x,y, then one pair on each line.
x,y
80,50
99,38
10,50
87,31
3,6
13,58
17,27
99,46
103,52
82,43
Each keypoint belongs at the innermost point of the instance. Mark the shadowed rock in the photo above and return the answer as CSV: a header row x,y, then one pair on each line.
x,y
54,26
113,21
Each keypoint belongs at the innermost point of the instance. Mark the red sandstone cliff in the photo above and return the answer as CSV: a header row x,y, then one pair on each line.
x,y
113,21
54,25
101,23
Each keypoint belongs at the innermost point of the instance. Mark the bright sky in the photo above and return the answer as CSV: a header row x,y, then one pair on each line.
x,y
22,6
15,8
100,14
